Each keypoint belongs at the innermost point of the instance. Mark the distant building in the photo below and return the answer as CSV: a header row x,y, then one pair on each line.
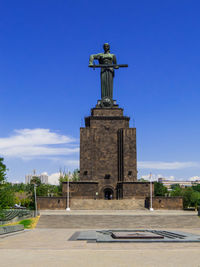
x,y
43,178
169,183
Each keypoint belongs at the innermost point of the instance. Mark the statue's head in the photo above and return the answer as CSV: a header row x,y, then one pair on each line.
x,y
106,47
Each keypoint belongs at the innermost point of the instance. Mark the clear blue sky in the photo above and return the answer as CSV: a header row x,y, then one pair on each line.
x,y
47,87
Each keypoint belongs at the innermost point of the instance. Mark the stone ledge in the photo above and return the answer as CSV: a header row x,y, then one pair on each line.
x,y
108,118
11,229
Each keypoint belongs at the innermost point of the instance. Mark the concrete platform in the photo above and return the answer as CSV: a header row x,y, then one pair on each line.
x,y
52,247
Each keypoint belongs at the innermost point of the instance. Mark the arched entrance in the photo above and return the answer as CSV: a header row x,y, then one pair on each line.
x,y
108,194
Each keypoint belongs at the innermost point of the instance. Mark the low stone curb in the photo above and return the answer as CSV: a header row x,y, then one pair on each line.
x,y
11,229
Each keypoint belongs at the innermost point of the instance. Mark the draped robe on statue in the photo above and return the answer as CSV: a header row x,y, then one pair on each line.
x,y
107,74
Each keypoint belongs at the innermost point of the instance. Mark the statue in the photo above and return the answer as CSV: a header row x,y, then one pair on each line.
x,y
107,63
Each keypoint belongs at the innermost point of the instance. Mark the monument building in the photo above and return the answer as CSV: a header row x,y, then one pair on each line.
x,y
108,154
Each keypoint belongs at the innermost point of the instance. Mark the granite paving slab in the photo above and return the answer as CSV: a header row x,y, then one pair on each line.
x,y
151,236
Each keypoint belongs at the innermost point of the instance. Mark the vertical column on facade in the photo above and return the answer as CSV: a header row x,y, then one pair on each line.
x,y
120,142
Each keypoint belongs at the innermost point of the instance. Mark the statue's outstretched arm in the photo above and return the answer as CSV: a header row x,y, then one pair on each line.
x,y
92,58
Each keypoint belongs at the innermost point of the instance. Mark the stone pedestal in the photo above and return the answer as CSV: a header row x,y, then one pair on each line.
x,y
108,151
108,163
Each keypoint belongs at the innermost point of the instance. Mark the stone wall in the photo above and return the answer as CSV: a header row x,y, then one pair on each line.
x,y
56,203
88,189
91,204
51,203
173,203
136,189
167,203
81,189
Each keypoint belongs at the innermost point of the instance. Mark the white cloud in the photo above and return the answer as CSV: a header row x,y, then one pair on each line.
x,y
171,178
147,177
159,165
156,176
69,163
37,143
194,178
54,178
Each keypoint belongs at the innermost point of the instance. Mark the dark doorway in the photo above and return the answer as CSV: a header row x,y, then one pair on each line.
x,y
108,194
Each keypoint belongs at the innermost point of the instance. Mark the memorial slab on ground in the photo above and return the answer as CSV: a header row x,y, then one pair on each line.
x,y
139,235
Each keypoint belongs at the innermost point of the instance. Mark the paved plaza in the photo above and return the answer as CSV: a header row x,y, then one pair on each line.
x,y
52,247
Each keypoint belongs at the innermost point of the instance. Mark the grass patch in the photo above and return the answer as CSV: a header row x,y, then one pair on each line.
x,y
28,223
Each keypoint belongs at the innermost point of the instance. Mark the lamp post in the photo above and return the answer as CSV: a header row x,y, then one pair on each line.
x,y
68,208
35,200
150,179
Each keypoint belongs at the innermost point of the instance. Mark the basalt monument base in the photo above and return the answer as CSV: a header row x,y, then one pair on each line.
x,y
108,161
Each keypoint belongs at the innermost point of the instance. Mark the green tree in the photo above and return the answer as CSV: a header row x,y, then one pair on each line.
x,y
159,189
191,195
142,180
26,202
2,171
175,186
47,190
7,196
195,199
75,175
196,187
35,180
64,177
177,191
19,187
30,190
187,194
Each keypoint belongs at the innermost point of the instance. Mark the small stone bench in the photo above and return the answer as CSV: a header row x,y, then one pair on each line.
x,y
11,229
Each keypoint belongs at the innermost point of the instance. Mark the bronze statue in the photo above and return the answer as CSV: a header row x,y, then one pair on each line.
x,y
107,63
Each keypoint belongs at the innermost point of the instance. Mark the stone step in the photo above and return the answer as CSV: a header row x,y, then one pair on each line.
x,y
118,221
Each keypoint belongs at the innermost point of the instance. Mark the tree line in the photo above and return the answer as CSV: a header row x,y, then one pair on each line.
x,y
191,195
23,194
